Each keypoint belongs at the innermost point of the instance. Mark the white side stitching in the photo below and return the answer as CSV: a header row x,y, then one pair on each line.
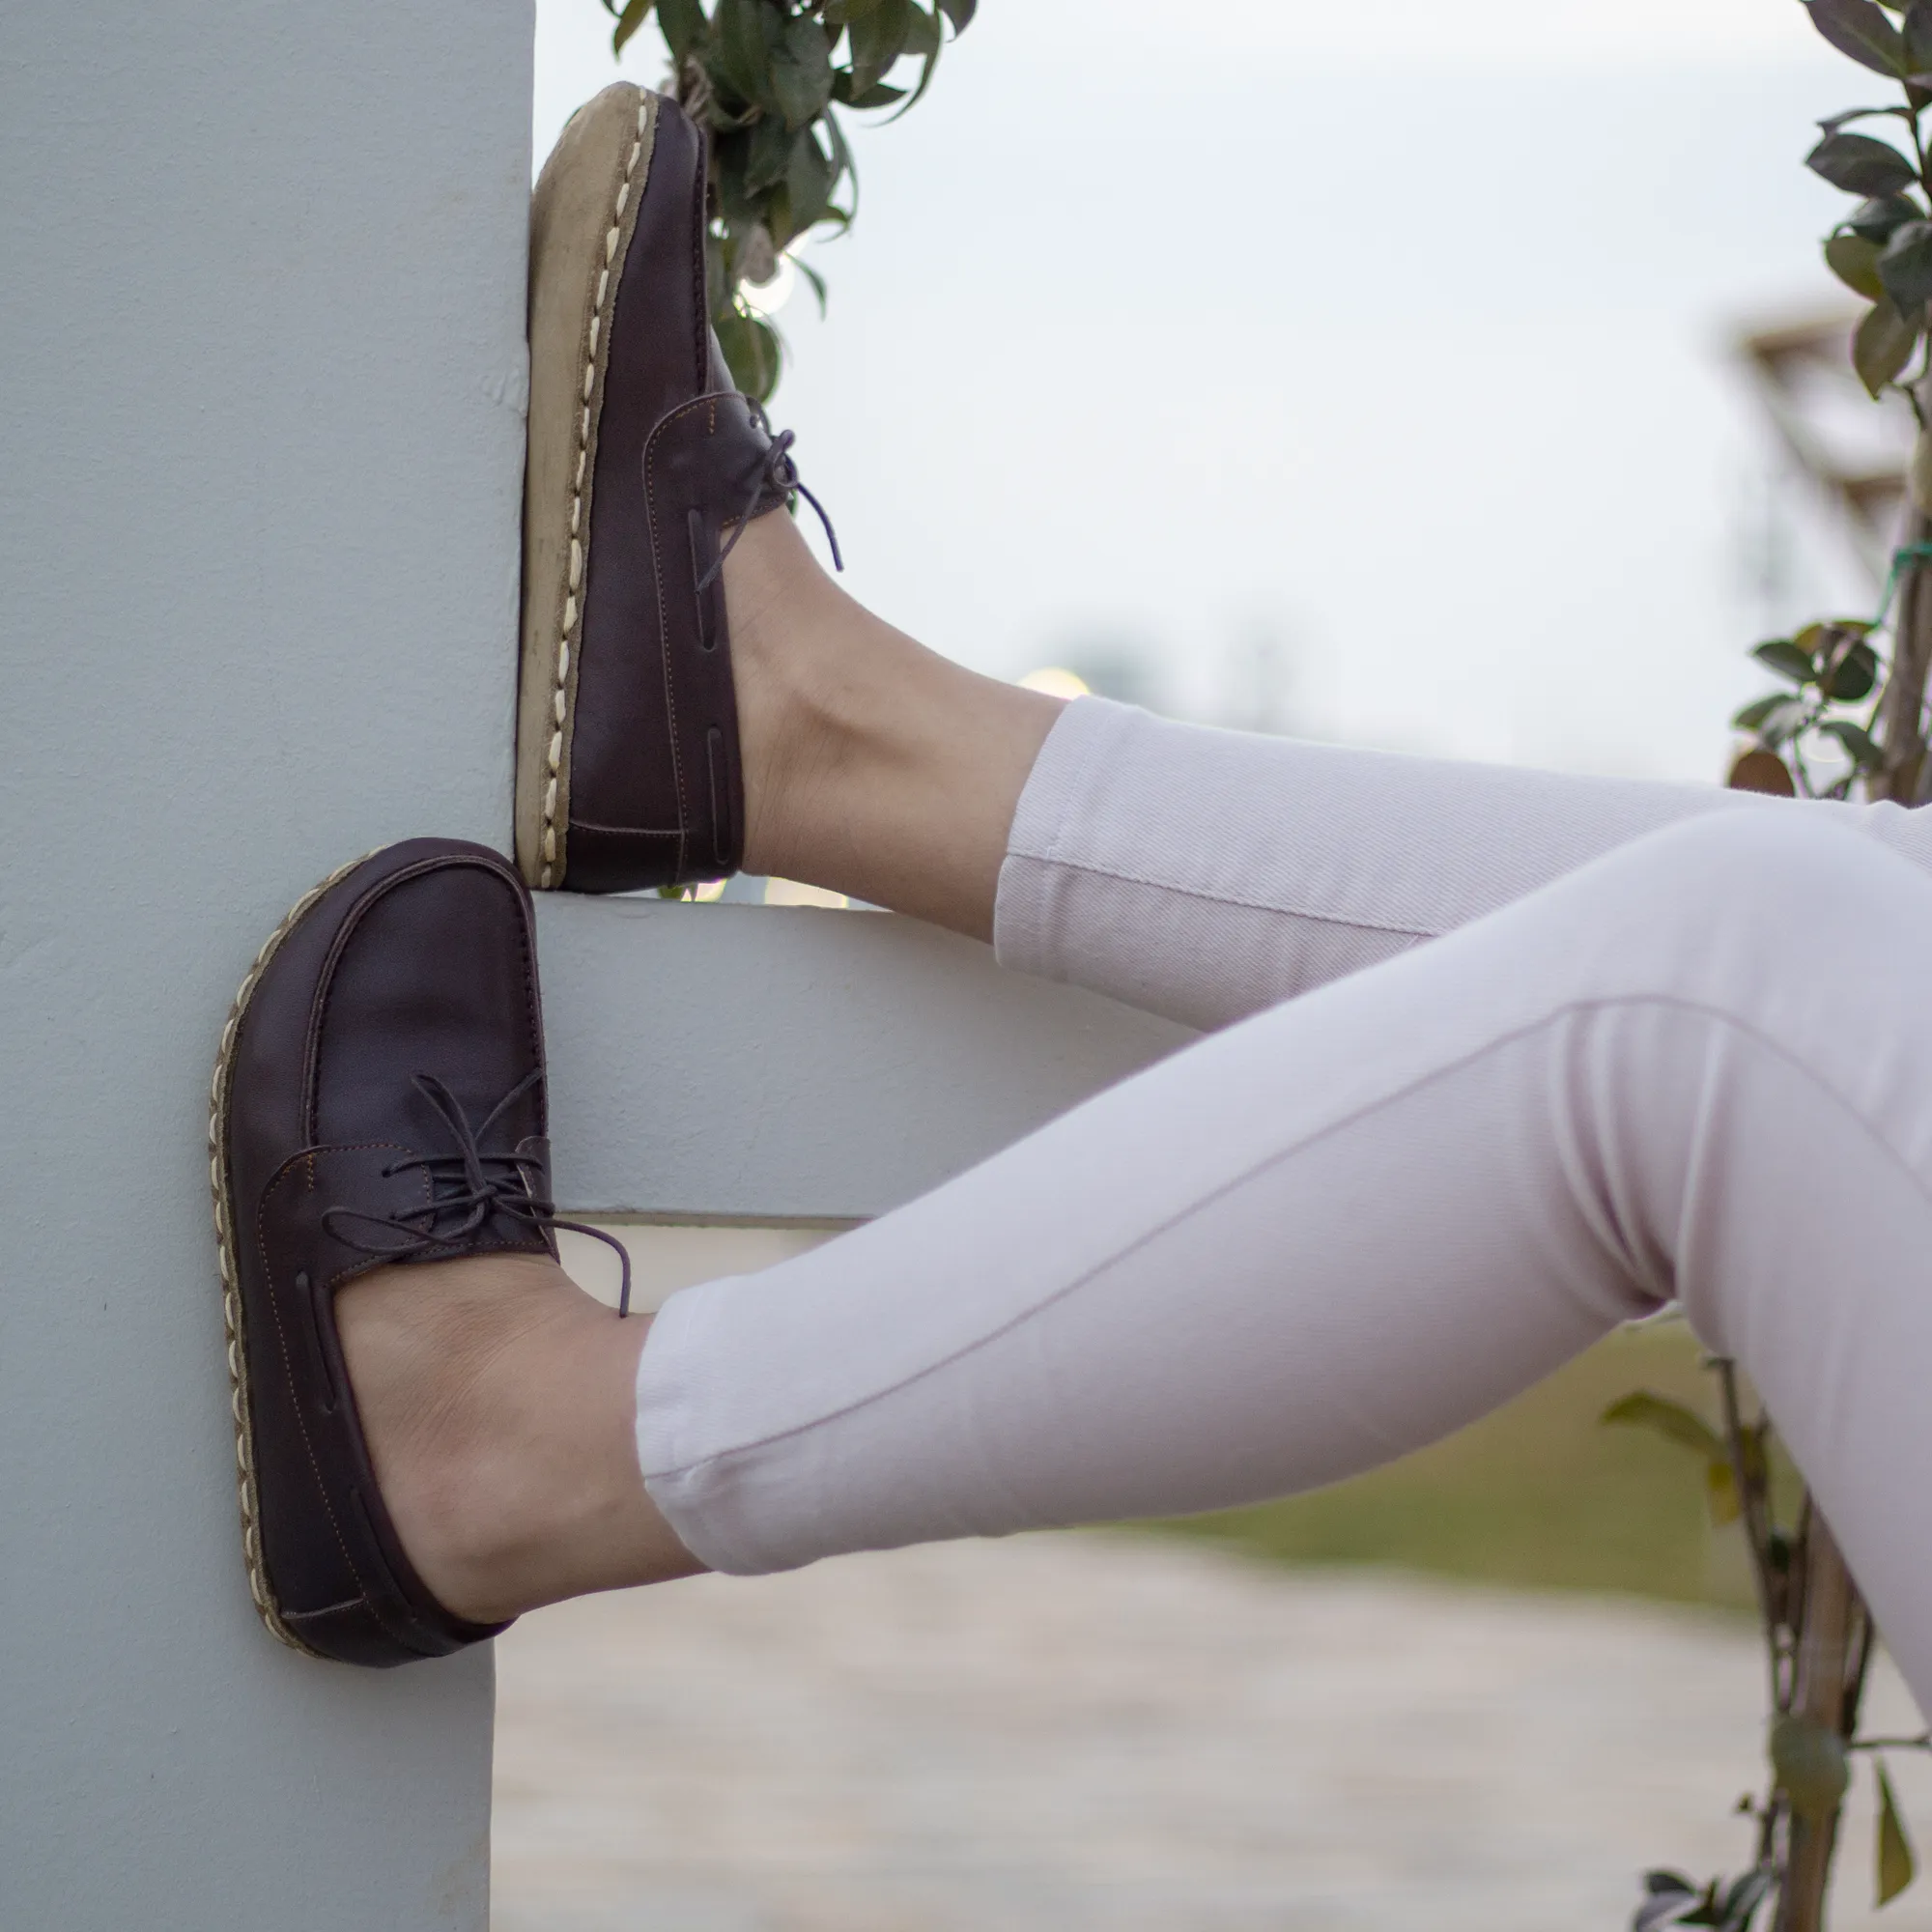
x,y
238,1398
599,332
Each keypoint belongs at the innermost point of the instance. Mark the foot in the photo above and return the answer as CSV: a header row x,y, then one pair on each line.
x,y
395,1311
872,766
498,1399
678,720
640,453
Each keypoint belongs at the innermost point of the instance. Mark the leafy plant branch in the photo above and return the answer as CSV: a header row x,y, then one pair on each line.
x,y
765,80
1882,251
1810,1753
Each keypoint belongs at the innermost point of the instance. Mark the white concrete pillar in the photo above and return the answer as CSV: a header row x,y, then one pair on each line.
x,y
261,371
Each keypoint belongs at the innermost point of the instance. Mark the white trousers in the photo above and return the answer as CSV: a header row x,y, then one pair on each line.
x,y
1666,1042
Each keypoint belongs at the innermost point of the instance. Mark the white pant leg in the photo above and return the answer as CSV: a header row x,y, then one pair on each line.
x,y
1701,1066
1207,874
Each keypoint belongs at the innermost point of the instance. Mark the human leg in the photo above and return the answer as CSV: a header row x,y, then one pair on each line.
x,y
1200,874
1343,1229
515,1482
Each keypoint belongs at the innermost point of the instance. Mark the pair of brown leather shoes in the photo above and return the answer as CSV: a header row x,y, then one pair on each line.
x,y
379,1097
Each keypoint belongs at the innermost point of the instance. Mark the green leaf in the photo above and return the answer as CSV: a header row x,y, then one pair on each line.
x,y
808,182
1861,747
815,278
1851,670
1917,37
1883,346
1787,659
877,41
1756,714
1876,219
767,154
801,71
753,257
1906,266
1667,1897
1858,28
633,17
752,352
1861,165
960,12
743,36
683,25
1671,1420
923,33
881,94
1897,1865
1832,123
926,37
1742,1901
1853,260
1779,729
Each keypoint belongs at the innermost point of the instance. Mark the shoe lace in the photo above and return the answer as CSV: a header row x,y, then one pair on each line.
x,y
465,1189
777,472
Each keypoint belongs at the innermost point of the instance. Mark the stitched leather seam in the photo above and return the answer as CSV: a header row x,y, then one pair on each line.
x,y
227,1263
411,1627
602,314
665,653
1118,876
288,1370
701,283
327,1609
624,831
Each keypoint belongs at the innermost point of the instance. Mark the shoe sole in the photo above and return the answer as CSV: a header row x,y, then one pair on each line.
x,y
221,1183
583,216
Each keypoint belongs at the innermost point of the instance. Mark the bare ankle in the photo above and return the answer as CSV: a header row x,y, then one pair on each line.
x,y
498,1402
873,766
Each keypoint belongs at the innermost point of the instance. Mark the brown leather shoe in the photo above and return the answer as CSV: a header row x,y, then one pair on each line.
x,y
379,1098
640,454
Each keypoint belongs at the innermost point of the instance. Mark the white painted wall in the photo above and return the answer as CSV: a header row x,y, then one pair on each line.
x,y
261,358
766,1064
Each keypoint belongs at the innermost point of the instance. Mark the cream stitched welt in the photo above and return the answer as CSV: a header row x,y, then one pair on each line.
x,y
599,324
231,1291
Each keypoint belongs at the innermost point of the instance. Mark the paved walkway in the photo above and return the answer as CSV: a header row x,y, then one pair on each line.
x,y
1123,1734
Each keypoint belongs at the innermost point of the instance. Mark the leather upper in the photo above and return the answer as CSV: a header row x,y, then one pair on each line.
x,y
656,790
416,970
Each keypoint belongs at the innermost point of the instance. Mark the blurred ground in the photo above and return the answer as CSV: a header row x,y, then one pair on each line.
x,y
1129,1734
1539,1495
1153,1731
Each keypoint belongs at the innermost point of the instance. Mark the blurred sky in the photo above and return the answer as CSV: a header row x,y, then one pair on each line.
x,y
1364,368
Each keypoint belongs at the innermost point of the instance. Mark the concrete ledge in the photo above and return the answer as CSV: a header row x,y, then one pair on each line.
x,y
723,1062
